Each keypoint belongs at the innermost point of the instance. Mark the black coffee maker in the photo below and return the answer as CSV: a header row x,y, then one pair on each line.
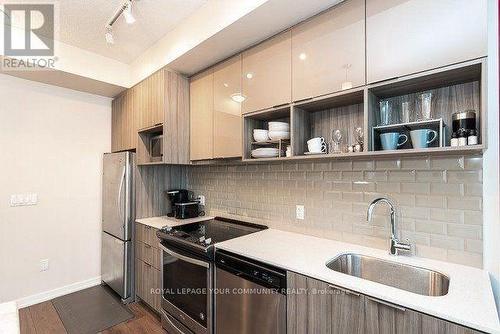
x,y
182,206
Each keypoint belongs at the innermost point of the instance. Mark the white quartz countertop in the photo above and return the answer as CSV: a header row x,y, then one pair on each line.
x,y
469,301
159,222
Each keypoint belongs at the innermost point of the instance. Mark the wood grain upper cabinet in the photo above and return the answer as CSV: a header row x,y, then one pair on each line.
x,y
227,110
150,100
123,123
266,73
328,51
175,114
409,36
156,96
201,94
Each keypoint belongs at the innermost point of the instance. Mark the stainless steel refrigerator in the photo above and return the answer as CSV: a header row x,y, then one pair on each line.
x,y
118,215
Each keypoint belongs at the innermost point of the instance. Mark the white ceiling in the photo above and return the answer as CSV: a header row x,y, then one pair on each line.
x,y
82,24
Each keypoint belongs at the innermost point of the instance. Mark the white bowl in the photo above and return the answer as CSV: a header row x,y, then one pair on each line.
x,y
260,135
277,135
279,126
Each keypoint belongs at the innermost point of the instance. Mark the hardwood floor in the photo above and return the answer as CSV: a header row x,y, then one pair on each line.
x,y
43,319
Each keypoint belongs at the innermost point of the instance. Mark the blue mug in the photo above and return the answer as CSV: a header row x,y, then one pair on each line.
x,y
420,138
391,140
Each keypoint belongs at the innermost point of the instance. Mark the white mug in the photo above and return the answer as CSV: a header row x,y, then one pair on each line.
x,y
317,145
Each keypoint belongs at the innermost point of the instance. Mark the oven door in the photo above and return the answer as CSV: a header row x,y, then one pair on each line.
x,y
186,289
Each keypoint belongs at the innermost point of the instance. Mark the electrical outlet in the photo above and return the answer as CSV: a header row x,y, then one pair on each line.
x,y
300,212
44,265
201,199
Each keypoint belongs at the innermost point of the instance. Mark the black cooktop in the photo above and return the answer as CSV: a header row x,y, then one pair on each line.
x,y
200,237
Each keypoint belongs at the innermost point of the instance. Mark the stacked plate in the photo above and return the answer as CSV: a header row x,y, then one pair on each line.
x,y
279,130
265,152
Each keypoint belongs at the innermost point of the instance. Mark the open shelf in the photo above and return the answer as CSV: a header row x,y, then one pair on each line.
x,y
320,117
439,151
150,144
260,120
453,90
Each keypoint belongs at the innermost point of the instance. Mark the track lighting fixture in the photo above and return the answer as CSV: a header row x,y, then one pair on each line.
x,y
126,10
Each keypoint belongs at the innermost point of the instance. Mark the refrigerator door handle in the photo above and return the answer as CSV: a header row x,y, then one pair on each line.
x,y
120,198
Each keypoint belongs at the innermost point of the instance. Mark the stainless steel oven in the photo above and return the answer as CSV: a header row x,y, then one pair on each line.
x,y
186,297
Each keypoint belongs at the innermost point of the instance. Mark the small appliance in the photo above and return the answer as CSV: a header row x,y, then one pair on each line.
x,y
187,210
177,196
464,120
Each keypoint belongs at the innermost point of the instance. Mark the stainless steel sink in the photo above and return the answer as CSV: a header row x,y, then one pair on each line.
x,y
402,276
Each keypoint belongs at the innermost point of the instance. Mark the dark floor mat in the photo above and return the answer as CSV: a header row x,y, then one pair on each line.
x,y
91,310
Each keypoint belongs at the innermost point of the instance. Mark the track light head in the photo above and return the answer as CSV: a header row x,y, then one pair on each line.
x,y
127,13
109,35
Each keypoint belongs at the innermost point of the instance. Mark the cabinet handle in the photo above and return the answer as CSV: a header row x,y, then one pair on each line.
x,y
378,301
349,292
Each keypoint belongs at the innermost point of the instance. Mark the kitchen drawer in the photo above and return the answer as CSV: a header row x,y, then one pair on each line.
x,y
148,284
146,234
148,254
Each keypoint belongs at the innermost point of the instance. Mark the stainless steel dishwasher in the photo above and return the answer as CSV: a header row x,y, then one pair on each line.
x,y
250,297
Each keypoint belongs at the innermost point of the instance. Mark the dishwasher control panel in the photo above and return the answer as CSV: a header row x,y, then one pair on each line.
x,y
260,273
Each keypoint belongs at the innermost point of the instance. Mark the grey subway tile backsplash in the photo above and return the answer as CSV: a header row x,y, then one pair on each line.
x,y
439,200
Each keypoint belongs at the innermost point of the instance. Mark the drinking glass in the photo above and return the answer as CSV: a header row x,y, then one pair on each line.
x,y
385,112
405,112
425,106
336,142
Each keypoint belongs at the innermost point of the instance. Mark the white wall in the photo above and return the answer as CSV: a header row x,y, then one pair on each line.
x,y
491,189
51,143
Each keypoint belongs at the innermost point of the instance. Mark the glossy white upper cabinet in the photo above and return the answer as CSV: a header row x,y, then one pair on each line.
x,y
266,74
201,96
227,109
409,36
328,51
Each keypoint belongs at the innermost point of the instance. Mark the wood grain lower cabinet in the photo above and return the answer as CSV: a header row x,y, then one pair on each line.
x,y
316,307
147,266
148,284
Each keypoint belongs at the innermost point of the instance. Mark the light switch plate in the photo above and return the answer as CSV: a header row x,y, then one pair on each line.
x,y
23,199
300,212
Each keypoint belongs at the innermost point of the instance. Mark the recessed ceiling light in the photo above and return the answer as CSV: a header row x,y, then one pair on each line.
x,y
127,13
249,75
226,85
238,97
302,56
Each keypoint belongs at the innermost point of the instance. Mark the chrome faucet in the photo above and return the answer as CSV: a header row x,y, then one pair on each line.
x,y
395,245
